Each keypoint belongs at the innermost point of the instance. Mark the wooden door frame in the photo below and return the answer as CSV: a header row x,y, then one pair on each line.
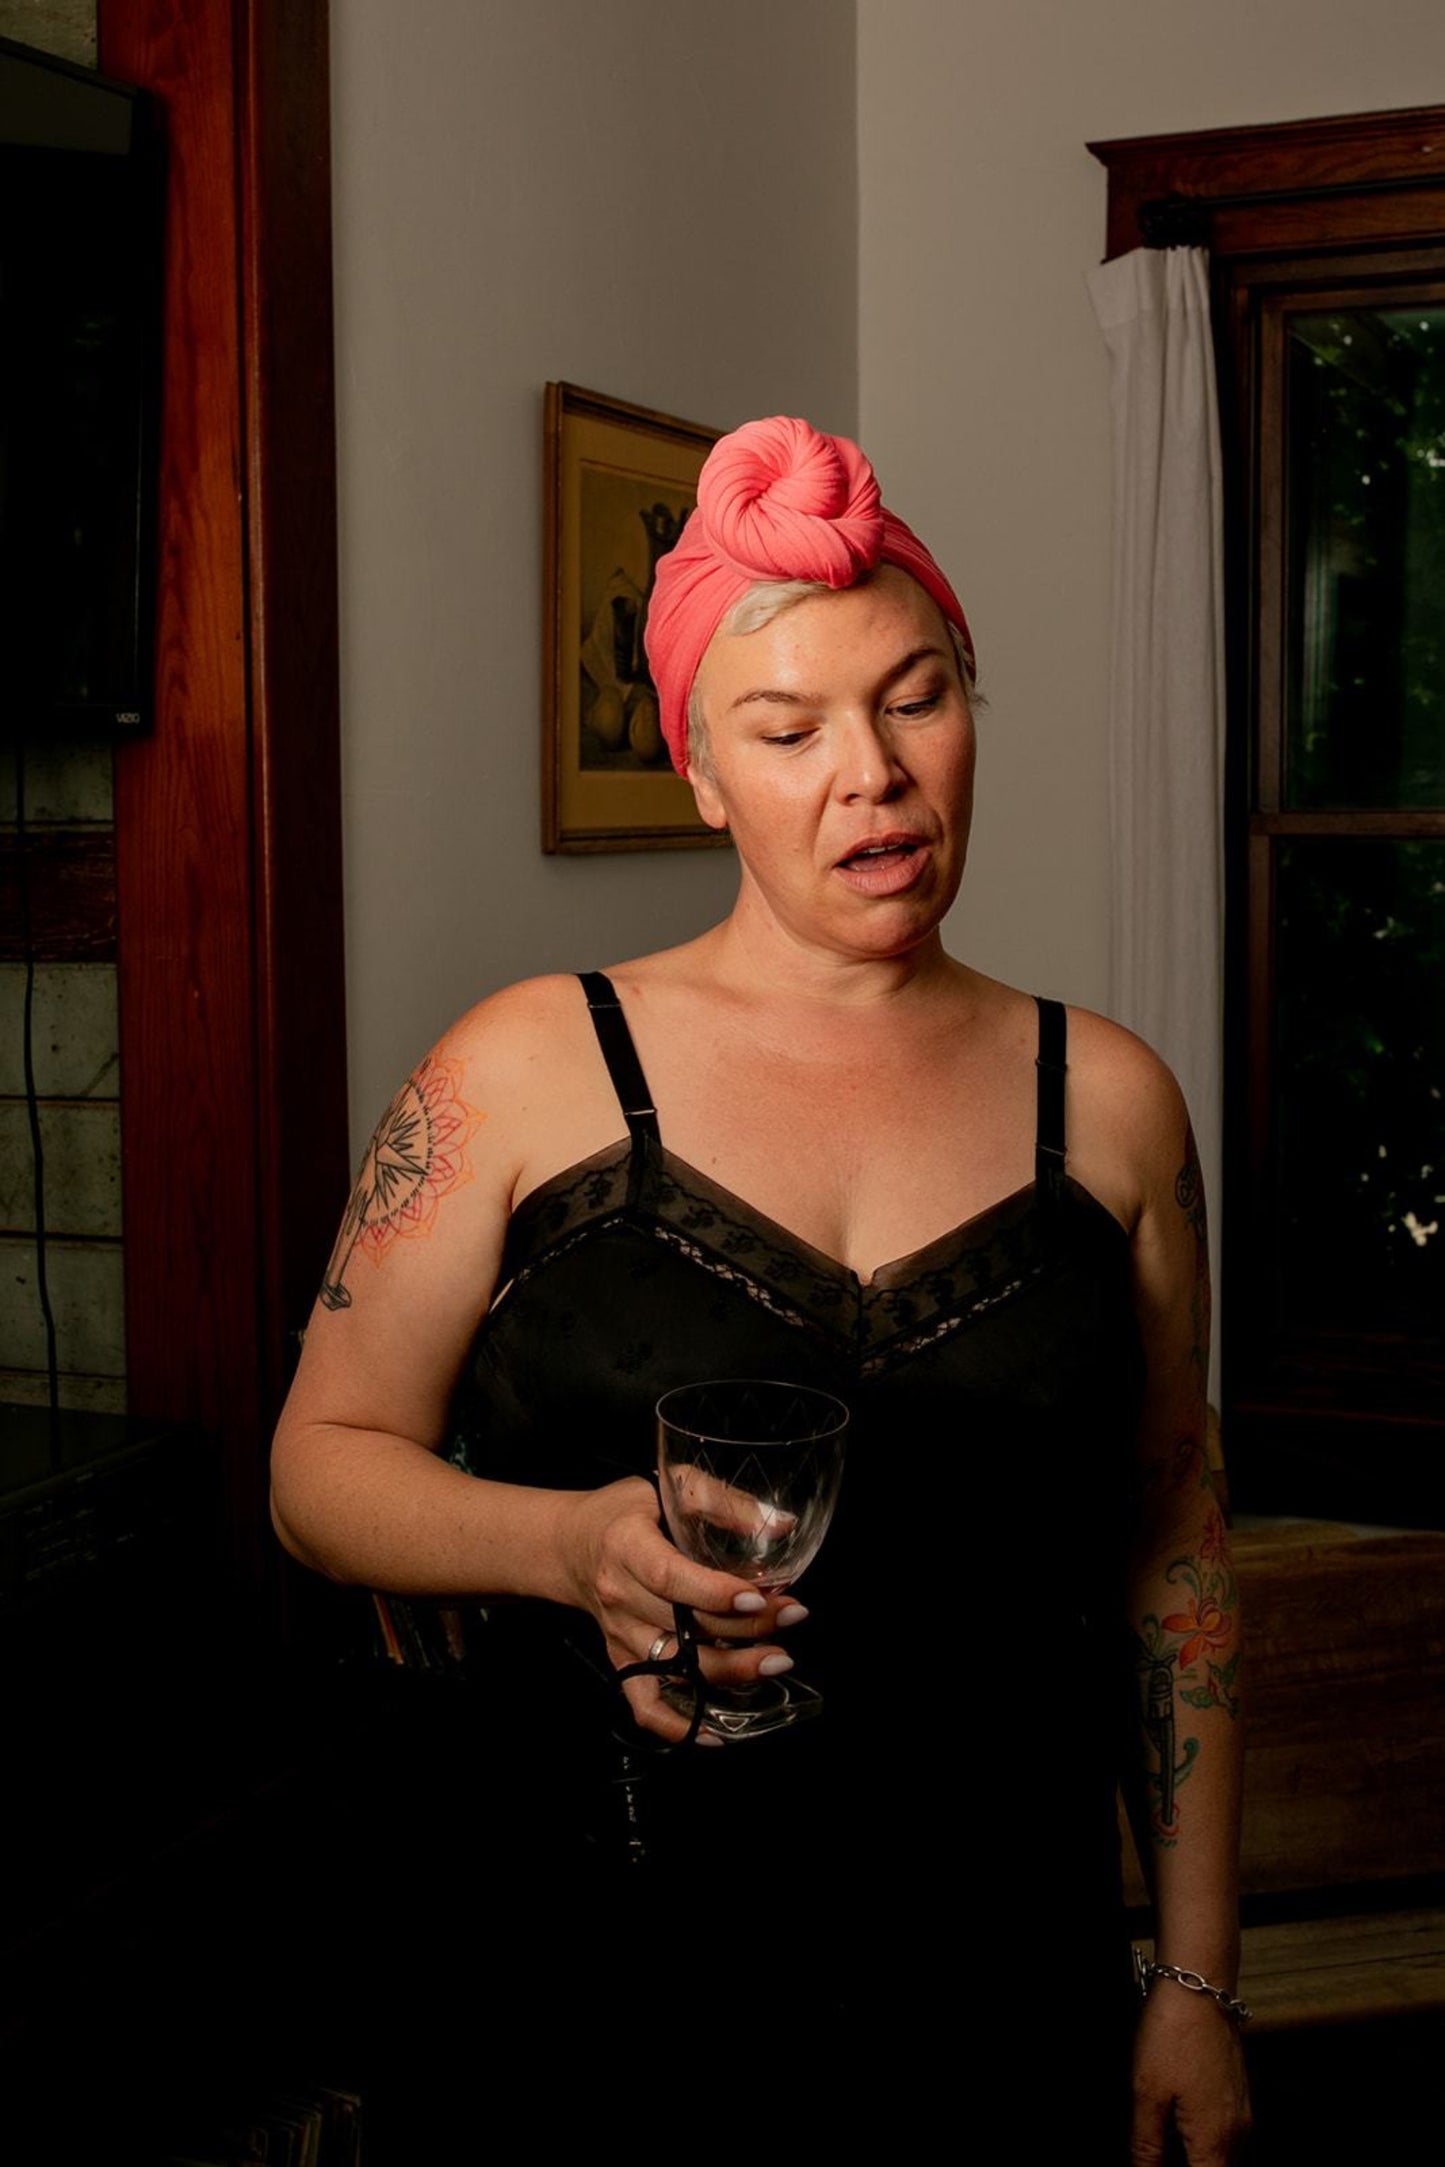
x,y
228,818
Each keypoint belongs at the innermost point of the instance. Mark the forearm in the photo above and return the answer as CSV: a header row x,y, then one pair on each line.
x,y
1185,1620
1188,2072
370,1507
381,1511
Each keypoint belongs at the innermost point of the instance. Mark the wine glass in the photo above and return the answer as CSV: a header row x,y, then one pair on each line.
x,y
749,1470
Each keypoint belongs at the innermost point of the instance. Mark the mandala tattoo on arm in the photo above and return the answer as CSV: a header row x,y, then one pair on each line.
x,y
416,1157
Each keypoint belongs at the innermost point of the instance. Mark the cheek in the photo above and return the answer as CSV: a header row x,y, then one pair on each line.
x,y
771,800
969,772
958,775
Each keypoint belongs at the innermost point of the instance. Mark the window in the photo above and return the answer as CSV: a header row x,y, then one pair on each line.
x,y
1327,243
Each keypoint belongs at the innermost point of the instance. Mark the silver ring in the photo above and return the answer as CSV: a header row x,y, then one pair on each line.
x,y
654,1653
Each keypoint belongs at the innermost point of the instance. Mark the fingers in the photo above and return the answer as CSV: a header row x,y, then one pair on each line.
x,y
742,1666
645,1574
1146,2143
759,1521
778,1615
651,1713
719,1666
665,1571
1188,2071
627,1567
634,1580
1214,2138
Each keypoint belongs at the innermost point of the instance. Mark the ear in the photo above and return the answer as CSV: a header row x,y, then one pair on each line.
x,y
709,802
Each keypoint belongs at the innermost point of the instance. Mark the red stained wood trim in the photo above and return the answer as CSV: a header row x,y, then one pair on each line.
x,y
285,202
70,873
227,815
1369,166
182,797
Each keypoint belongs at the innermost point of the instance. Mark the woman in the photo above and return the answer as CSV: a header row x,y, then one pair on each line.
x,y
810,1144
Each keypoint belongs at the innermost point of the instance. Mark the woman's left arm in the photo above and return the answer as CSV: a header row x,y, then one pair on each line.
x,y
1185,1628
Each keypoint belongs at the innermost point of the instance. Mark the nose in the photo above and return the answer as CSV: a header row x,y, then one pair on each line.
x,y
868,762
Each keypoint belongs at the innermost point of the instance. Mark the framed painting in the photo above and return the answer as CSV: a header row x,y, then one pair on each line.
x,y
620,481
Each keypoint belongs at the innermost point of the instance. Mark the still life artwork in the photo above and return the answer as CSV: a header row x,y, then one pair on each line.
x,y
620,483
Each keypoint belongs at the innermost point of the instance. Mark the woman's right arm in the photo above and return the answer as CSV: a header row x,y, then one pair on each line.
x,y
358,1489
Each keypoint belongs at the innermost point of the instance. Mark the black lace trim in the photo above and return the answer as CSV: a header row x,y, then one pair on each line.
x,y
909,1305
905,1344
731,1241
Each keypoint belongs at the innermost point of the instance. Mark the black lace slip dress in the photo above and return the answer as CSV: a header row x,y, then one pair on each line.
x,y
954,1805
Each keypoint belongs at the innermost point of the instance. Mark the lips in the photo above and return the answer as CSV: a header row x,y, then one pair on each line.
x,y
881,850
882,865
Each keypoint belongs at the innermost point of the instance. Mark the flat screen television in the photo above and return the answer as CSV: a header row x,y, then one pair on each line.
x,y
81,220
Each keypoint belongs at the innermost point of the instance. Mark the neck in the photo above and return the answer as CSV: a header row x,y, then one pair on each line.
x,y
753,951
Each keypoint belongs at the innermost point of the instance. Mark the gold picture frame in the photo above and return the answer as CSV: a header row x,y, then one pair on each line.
x,y
620,481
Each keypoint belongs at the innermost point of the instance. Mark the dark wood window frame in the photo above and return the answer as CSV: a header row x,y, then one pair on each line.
x,y
1321,206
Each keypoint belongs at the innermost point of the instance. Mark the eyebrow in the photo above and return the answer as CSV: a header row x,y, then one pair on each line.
x,y
773,696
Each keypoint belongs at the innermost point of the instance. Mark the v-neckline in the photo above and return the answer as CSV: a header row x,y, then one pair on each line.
x,y
889,1278
923,1257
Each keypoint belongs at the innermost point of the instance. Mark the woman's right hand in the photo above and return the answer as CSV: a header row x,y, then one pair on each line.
x,y
628,1575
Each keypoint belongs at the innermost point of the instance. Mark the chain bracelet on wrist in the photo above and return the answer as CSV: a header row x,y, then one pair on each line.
x,y
1146,1971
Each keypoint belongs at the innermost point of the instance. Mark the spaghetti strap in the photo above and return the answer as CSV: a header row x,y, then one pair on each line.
x,y
1051,1065
620,1054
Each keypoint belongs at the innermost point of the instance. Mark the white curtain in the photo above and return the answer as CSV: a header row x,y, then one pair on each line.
x,y
1166,721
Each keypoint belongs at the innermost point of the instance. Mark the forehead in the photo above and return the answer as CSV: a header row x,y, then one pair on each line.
x,y
826,643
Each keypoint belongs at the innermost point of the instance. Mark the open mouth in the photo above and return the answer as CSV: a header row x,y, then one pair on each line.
x,y
882,855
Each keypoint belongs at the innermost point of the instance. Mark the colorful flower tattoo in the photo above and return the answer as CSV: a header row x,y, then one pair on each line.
x,y
1176,1661
417,1156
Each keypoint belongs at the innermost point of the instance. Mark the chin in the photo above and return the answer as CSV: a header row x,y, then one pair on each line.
x,y
893,935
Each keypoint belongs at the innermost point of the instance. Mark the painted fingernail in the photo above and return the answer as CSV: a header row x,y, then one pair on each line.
x,y
705,1737
792,1613
773,1666
749,1603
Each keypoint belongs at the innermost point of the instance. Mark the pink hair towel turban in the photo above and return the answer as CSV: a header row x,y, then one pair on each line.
x,y
776,500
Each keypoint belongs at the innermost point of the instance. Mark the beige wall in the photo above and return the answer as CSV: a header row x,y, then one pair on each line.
x,y
983,388
656,200
621,193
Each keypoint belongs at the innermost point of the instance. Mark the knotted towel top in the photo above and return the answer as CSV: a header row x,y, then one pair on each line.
x,y
776,500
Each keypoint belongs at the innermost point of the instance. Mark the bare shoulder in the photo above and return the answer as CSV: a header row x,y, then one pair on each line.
x,y
484,1065
528,1055
532,1024
1128,1127
516,1027
439,1174
1122,1079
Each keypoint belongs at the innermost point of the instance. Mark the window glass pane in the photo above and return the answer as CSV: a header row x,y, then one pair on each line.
x,y
1365,577
1359,1114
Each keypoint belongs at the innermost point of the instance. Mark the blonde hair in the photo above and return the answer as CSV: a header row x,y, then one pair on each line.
x,y
763,601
